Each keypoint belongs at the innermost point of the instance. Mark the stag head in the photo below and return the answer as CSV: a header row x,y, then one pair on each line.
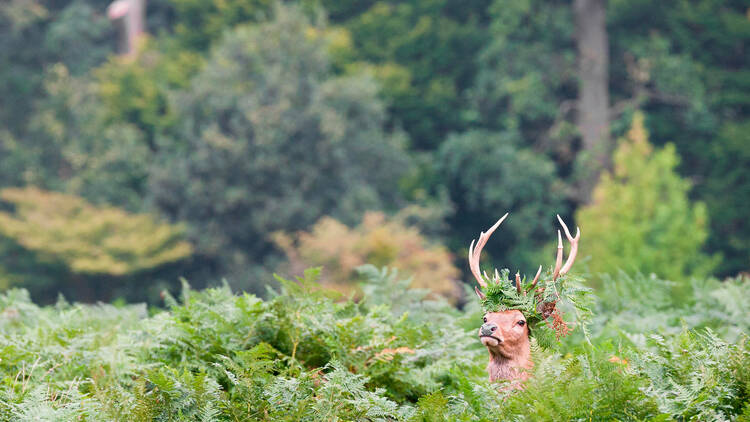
x,y
505,333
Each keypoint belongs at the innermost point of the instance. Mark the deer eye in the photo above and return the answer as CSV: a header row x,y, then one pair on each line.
x,y
484,319
521,323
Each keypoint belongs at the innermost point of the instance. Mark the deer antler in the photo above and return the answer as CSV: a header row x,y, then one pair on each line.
x,y
536,279
474,253
559,270
558,260
573,246
547,308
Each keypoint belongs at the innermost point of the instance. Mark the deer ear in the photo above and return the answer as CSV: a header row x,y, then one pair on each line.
x,y
479,293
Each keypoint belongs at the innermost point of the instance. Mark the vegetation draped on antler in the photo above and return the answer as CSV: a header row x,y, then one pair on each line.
x,y
538,299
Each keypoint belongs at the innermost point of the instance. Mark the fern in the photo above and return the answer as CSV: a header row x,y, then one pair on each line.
x,y
566,291
656,353
695,375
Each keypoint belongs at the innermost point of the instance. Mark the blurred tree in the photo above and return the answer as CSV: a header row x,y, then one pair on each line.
x,y
684,63
726,191
90,240
38,157
65,230
376,240
96,137
136,89
201,22
527,77
687,67
72,145
488,174
75,121
641,218
34,34
424,55
270,140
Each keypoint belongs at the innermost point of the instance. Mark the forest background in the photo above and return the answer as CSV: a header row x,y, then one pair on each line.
x,y
241,137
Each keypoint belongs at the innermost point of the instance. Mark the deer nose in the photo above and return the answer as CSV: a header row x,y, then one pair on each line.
x,y
487,329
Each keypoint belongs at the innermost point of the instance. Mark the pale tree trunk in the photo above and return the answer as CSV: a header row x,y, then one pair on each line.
x,y
129,16
593,92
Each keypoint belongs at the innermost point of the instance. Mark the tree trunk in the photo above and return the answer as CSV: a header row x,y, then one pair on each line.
x,y
129,16
593,92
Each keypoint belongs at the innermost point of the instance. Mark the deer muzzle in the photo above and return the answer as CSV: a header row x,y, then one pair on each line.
x,y
487,329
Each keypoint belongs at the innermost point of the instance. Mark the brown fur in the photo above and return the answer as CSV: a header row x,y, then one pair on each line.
x,y
510,358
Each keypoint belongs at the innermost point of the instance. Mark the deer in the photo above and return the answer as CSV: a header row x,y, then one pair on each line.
x,y
506,333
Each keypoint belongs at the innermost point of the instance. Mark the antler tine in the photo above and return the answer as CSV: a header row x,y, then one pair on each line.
x,y
476,273
536,277
558,260
475,252
573,246
518,282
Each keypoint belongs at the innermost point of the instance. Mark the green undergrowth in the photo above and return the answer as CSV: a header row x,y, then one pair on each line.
x,y
656,350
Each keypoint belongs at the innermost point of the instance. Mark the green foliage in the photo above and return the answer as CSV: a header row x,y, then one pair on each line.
x,y
584,387
96,135
695,375
690,56
136,89
302,356
269,139
72,145
36,34
298,356
640,304
88,239
527,70
76,119
640,218
200,22
726,191
682,62
487,174
424,56
545,326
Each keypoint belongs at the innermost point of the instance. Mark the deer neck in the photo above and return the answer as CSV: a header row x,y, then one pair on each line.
x,y
510,366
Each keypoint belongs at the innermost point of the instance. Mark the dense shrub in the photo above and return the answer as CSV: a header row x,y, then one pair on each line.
x,y
392,356
377,240
641,218
89,239
56,241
